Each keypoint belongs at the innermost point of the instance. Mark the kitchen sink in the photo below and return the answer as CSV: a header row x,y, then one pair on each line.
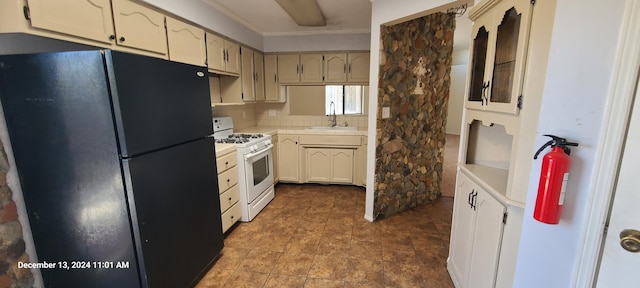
x,y
343,128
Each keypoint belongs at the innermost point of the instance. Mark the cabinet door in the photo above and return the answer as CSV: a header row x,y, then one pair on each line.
x,y
248,77
358,68
486,241
462,230
233,57
276,172
271,89
89,19
318,164
139,27
288,157
498,57
342,165
186,43
481,33
289,68
335,68
311,68
363,161
507,75
258,66
216,54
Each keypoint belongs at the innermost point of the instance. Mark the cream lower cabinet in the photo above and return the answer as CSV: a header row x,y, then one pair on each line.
x,y
288,159
229,189
361,164
476,235
329,165
276,174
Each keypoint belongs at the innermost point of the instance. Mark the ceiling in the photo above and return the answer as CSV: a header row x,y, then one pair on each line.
x,y
267,18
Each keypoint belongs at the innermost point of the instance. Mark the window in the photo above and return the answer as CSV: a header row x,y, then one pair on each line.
x,y
348,99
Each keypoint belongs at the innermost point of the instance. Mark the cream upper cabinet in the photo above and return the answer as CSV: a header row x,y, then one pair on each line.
x,y
258,67
186,43
233,57
216,53
288,68
222,55
311,68
139,27
271,86
358,67
500,38
90,19
248,75
335,68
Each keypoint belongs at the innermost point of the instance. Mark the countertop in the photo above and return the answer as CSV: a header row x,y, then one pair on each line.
x,y
301,130
224,148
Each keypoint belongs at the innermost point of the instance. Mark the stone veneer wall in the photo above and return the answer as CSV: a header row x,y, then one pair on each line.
x,y
12,245
414,83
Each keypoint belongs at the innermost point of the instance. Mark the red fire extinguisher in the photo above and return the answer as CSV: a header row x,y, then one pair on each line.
x,y
553,180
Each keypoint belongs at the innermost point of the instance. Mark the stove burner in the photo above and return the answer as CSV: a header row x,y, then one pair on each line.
x,y
246,136
232,140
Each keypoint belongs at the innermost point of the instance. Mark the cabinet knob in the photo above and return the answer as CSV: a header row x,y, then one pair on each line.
x,y
112,37
121,39
229,199
231,216
228,180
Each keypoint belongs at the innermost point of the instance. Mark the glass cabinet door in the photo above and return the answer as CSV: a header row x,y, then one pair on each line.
x,y
477,96
498,57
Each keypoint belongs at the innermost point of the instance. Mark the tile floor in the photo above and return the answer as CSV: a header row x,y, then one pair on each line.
x,y
316,236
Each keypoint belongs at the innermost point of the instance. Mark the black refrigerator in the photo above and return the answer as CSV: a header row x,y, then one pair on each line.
x,y
116,169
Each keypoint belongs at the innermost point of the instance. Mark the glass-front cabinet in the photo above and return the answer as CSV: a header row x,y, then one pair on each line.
x,y
498,54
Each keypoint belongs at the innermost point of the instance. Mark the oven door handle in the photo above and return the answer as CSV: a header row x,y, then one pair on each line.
x,y
254,154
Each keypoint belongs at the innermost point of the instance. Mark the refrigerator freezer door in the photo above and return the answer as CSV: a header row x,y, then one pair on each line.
x,y
61,129
174,200
157,103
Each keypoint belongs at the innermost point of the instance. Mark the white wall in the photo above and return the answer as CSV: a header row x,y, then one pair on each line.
x,y
333,42
577,82
456,90
205,15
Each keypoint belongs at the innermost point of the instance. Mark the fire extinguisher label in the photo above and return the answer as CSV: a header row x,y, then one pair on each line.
x,y
563,189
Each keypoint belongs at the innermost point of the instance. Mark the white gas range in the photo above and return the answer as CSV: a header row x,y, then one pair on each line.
x,y
255,166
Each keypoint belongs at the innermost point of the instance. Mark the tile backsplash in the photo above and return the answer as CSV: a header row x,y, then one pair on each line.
x,y
243,116
257,114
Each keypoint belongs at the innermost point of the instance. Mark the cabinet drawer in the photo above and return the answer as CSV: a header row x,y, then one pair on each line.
x,y
227,179
330,140
231,216
230,197
227,161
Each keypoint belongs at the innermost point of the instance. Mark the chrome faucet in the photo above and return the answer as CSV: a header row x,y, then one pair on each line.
x,y
332,115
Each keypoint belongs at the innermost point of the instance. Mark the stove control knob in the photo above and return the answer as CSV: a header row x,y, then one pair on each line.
x,y
267,142
254,148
